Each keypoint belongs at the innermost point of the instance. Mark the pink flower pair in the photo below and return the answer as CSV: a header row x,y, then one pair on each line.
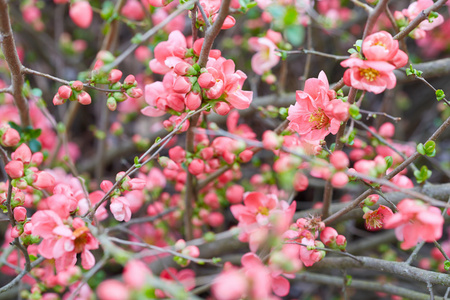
x,y
375,74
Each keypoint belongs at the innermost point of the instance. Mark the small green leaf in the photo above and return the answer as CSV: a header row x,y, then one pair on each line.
x,y
389,161
447,265
216,260
35,145
420,148
353,110
349,279
433,15
440,95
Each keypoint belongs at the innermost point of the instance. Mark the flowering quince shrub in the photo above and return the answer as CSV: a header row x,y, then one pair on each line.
x,y
155,149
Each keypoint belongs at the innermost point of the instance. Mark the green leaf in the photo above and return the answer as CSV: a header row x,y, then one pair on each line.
x,y
349,279
35,145
433,15
353,110
34,133
420,148
440,95
447,265
295,34
389,161
290,17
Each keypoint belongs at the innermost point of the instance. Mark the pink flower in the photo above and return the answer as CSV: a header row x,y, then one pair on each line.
x,y
120,208
133,10
11,137
169,53
415,222
376,219
309,116
23,153
416,8
43,180
309,255
81,14
371,76
265,58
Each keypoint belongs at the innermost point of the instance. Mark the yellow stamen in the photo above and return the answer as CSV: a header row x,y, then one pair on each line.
x,y
369,73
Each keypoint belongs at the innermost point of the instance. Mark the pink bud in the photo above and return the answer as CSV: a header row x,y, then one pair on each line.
x,y
371,200
196,167
37,158
135,92
340,111
43,180
177,154
215,219
84,98
112,289
20,214
57,100
81,14
111,103
246,155
212,200
114,76
398,15
15,232
77,85
23,153
301,182
182,68
14,169
142,54
182,85
339,180
235,194
328,236
387,130
65,92
106,185
192,251
222,108
339,160
136,184
11,137
341,242
206,80
28,228
193,101
130,81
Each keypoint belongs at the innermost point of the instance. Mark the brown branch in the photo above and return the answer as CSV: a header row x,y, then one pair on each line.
x,y
363,285
393,267
212,32
12,59
414,23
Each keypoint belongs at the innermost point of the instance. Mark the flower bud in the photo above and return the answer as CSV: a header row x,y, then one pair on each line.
x,y
387,130
14,169
84,98
182,85
222,108
16,232
177,154
106,185
77,85
196,167
57,100
129,81
206,80
235,194
11,137
20,214
135,92
246,155
339,180
193,101
43,180
111,103
301,181
114,76
65,92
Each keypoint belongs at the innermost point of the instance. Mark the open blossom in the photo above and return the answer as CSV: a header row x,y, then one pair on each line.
x,y
266,57
313,115
414,222
376,219
375,74
416,8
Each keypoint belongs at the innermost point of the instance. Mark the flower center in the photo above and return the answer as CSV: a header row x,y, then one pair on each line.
x,y
263,210
369,73
80,238
319,119
379,43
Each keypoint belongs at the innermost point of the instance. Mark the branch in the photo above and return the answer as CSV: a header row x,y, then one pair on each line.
x,y
12,59
363,285
414,23
392,267
212,32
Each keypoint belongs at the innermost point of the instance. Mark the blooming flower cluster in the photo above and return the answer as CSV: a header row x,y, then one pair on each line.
x,y
317,112
375,73
185,85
